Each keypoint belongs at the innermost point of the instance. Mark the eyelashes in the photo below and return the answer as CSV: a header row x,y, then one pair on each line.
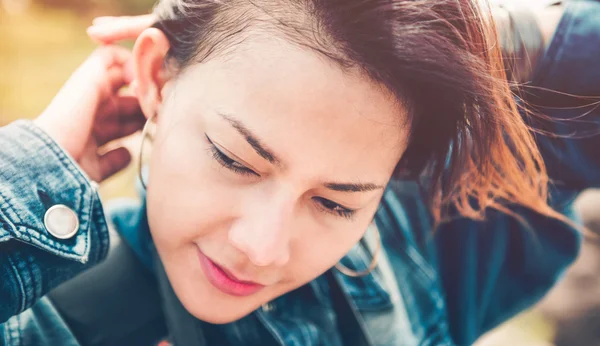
x,y
323,204
332,207
230,163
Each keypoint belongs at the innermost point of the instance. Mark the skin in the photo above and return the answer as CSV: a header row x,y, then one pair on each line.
x,y
548,19
89,112
272,226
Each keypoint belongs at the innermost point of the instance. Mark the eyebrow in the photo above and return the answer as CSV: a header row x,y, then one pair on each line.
x,y
273,159
353,187
252,140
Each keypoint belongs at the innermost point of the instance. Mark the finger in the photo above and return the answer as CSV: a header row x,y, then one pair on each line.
x,y
113,162
112,81
117,132
103,19
113,29
119,76
108,86
121,108
95,81
105,71
107,68
125,118
112,55
113,132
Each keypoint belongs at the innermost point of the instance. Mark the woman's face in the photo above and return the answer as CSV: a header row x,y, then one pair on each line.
x,y
268,165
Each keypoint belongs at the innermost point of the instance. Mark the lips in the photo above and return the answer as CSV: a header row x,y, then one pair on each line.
x,y
224,281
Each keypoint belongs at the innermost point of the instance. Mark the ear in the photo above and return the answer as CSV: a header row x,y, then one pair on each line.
x,y
150,74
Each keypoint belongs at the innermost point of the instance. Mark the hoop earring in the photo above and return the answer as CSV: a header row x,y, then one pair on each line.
x,y
352,273
144,136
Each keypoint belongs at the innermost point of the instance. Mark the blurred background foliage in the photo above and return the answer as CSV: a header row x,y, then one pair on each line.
x,y
43,41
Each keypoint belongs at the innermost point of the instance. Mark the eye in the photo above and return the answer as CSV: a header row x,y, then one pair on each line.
x,y
334,208
228,162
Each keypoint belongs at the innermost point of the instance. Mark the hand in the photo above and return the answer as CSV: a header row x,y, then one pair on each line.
x,y
107,30
89,112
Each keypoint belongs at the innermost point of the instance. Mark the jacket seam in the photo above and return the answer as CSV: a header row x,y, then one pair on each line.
x,y
41,237
11,209
104,243
10,331
271,328
6,333
65,160
19,281
17,330
36,287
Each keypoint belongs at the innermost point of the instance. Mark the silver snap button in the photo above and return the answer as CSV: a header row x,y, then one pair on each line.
x,y
61,221
268,307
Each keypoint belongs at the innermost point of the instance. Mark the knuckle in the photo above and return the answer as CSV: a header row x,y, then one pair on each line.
x,y
101,54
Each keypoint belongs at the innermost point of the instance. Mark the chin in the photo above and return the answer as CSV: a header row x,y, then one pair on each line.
x,y
201,302
216,314
223,319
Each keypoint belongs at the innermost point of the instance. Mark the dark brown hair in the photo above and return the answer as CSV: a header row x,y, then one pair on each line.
x,y
439,57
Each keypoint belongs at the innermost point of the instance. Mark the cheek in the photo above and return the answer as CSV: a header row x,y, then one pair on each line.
x,y
184,199
316,252
190,198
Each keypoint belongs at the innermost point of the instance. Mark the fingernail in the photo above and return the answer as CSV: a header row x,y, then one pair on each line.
x,y
94,30
98,32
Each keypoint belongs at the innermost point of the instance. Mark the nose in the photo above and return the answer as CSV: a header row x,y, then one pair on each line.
x,y
262,232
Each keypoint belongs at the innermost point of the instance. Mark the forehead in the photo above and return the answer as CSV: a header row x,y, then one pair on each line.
x,y
301,104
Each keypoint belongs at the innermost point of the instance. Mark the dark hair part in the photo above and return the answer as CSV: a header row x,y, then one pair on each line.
x,y
439,57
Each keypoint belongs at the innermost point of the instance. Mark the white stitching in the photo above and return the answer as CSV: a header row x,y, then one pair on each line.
x,y
20,282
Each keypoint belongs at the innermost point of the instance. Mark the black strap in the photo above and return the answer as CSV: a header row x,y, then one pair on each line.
x,y
348,322
105,305
184,329
115,303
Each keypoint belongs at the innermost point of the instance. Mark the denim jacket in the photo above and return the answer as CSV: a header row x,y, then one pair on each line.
x,y
446,287
442,290
35,174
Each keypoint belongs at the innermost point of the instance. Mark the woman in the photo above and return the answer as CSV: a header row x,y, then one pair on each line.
x,y
282,134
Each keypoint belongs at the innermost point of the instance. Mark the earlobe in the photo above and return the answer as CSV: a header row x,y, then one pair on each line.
x,y
149,54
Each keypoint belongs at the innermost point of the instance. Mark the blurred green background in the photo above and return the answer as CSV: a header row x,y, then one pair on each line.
x,y
43,41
